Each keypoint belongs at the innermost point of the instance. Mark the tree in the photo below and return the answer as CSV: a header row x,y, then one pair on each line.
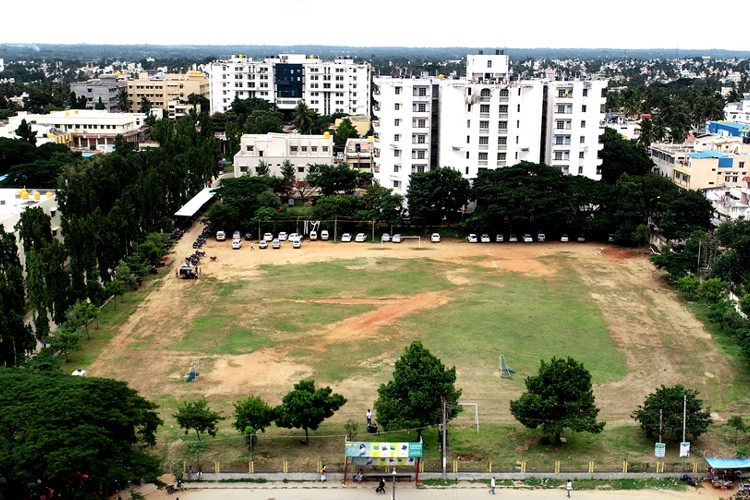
x,y
558,397
737,424
288,176
197,415
100,104
413,398
332,180
303,119
666,405
25,133
123,103
262,169
252,415
345,130
80,314
145,105
436,195
66,339
84,437
16,339
620,156
306,408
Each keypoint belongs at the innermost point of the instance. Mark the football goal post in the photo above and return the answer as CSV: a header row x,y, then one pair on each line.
x,y
505,370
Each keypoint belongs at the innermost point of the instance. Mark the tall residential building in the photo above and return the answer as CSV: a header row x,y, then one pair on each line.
x,y
167,91
106,88
328,87
485,120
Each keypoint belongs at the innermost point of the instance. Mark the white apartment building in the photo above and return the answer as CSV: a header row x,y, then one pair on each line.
x,y
731,203
328,87
485,120
274,148
738,111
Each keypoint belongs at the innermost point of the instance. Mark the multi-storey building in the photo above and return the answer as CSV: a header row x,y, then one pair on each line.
x,y
739,111
485,120
105,89
162,89
358,154
275,148
327,87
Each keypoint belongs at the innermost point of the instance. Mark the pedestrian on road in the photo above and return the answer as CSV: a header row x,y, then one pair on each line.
x,y
323,475
251,246
381,486
569,487
492,485
369,416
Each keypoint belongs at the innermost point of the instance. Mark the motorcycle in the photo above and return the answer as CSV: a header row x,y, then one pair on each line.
x,y
689,480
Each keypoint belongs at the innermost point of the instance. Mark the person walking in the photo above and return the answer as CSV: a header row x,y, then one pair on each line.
x,y
569,487
492,485
323,475
381,486
369,416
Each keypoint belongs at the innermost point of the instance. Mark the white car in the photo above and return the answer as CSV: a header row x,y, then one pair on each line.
x,y
499,238
472,238
262,244
276,244
294,236
283,236
527,238
324,235
435,238
346,237
268,237
313,235
396,238
385,238
236,244
564,238
221,235
581,238
236,235
297,243
360,238
512,238
541,237
485,238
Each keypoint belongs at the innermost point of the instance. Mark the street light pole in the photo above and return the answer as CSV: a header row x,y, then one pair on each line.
x,y
393,497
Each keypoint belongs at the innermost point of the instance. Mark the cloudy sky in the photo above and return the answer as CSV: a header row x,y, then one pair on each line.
x,y
635,24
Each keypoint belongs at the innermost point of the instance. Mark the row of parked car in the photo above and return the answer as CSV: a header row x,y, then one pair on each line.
x,y
526,238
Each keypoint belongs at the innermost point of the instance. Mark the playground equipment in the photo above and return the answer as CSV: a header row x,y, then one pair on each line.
x,y
193,372
505,370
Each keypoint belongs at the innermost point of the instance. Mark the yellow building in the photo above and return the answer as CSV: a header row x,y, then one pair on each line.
x,y
162,88
710,169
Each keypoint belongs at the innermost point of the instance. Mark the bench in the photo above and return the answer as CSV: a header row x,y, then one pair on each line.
x,y
376,476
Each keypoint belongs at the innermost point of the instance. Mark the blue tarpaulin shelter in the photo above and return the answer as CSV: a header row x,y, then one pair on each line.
x,y
729,463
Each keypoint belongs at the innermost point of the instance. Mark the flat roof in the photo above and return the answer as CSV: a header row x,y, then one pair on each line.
x,y
708,154
191,207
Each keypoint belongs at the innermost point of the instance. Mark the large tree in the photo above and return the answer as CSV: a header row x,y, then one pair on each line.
x,y
558,397
436,195
198,416
666,406
332,180
413,398
622,156
306,407
83,437
16,339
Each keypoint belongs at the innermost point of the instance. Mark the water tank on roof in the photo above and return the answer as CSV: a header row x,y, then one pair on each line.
x,y
37,195
326,134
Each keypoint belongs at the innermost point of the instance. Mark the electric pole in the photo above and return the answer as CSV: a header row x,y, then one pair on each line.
x,y
444,440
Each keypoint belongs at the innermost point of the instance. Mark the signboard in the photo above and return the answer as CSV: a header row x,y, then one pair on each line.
x,y
383,450
384,461
684,450
660,450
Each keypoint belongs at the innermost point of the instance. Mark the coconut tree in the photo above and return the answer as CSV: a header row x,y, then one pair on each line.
x,y
304,118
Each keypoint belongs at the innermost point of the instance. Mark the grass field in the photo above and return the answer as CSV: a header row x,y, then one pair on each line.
x,y
259,322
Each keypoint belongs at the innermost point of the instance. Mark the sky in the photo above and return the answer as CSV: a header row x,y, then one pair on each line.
x,y
636,24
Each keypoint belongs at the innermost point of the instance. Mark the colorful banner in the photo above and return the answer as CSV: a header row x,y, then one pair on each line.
x,y
684,449
384,461
383,450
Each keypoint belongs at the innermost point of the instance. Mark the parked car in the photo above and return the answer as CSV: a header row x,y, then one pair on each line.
x,y
346,237
541,237
499,238
396,238
512,238
527,238
581,238
297,243
472,238
236,244
564,238
248,236
221,235
313,235
268,237
262,244
385,238
485,238
435,238
236,235
611,238
360,238
276,244
294,236
282,236
324,235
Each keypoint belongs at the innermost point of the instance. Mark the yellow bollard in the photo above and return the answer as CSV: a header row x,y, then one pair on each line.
x,y
217,466
624,466
591,466
557,466
184,466
455,466
523,467
695,467
489,467
250,466
285,466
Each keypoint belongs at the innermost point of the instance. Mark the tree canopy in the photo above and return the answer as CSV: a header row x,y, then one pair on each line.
x,y
436,195
79,436
669,402
198,416
306,407
622,156
558,397
413,398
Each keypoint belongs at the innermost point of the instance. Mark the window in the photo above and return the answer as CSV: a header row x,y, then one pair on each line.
x,y
482,156
301,170
250,147
467,170
484,124
396,168
585,92
561,108
397,122
484,108
583,108
468,108
396,184
397,153
501,156
580,170
421,154
485,93
504,93
398,90
421,107
489,63
502,141
304,149
397,106
396,137
583,123
421,91
583,139
502,125
325,149
468,123
417,169
420,138
484,140
558,155
582,155
257,170
503,108
293,149
467,155
742,165
314,149
421,123
468,139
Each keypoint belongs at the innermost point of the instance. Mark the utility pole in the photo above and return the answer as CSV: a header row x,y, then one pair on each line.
x,y
684,416
700,242
443,437
661,416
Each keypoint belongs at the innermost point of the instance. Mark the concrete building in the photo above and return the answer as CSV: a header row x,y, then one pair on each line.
x,y
275,148
738,111
14,201
86,129
328,87
106,88
707,169
485,120
160,89
358,154
731,203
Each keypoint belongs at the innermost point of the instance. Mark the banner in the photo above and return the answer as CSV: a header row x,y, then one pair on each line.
x,y
684,450
383,450
660,450
384,461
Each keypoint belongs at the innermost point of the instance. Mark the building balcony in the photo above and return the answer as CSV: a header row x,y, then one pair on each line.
x,y
566,127
558,145
503,116
484,115
482,163
420,98
484,130
484,147
501,163
502,147
485,98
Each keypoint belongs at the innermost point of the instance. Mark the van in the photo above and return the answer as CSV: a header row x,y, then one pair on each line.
x,y
324,235
221,235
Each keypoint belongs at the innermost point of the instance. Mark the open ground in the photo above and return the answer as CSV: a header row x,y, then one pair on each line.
x,y
257,321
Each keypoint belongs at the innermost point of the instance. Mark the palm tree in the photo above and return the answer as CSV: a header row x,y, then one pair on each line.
x,y
304,118
647,133
122,101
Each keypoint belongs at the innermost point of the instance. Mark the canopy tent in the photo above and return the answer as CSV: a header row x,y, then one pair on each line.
x,y
729,463
196,203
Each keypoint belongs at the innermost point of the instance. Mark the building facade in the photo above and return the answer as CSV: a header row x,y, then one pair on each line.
x,y
731,203
358,154
274,148
327,87
162,89
485,120
106,88
739,111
